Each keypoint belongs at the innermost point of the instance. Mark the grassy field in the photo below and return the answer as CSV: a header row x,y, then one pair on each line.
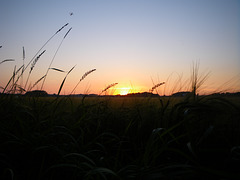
x,y
119,138
122,138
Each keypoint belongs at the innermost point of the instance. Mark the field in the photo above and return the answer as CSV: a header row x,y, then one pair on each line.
x,y
122,138
119,137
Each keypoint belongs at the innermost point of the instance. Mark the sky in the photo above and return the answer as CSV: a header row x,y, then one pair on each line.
x,y
135,43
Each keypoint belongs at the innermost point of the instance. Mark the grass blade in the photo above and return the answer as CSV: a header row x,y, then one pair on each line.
x,y
6,60
55,69
44,46
71,69
13,78
61,28
64,80
67,33
37,82
55,54
61,85
10,80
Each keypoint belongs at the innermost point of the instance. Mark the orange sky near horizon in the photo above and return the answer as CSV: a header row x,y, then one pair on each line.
x,y
136,44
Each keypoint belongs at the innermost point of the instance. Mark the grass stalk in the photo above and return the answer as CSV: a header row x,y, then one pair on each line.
x,y
34,57
82,78
6,60
45,45
197,80
23,67
156,86
30,88
32,67
108,87
55,55
60,88
12,79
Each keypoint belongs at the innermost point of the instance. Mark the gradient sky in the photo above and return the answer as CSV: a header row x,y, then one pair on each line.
x,y
135,43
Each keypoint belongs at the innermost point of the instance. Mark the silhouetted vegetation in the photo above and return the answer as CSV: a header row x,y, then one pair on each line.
x,y
137,136
37,93
119,138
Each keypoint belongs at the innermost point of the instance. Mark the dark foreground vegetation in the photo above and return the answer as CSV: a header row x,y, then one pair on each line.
x,y
119,138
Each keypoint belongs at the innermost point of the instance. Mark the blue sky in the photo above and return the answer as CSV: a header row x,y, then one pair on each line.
x,y
131,42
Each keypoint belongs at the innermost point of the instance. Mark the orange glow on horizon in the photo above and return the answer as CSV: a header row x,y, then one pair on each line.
x,y
122,91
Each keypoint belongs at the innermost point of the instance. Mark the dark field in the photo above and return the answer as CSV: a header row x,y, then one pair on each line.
x,y
120,138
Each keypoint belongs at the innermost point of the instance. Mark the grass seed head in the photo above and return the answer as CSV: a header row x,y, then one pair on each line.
x,y
61,28
87,73
156,86
108,87
35,60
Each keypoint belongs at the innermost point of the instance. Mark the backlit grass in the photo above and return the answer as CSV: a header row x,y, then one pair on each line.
x,y
103,137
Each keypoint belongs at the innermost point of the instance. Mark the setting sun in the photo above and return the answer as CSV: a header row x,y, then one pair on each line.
x,y
123,90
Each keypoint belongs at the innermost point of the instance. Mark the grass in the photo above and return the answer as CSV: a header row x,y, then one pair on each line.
x,y
191,137
119,138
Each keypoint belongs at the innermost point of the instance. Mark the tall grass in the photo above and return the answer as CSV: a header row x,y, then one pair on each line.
x,y
82,78
32,66
54,56
197,80
192,137
108,87
119,138
17,74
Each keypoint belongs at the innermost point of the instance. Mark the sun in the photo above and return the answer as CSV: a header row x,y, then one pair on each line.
x,y
123,90
126,89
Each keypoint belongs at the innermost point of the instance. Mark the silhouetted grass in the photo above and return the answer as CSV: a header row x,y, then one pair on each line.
x,y
119,138
48,138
